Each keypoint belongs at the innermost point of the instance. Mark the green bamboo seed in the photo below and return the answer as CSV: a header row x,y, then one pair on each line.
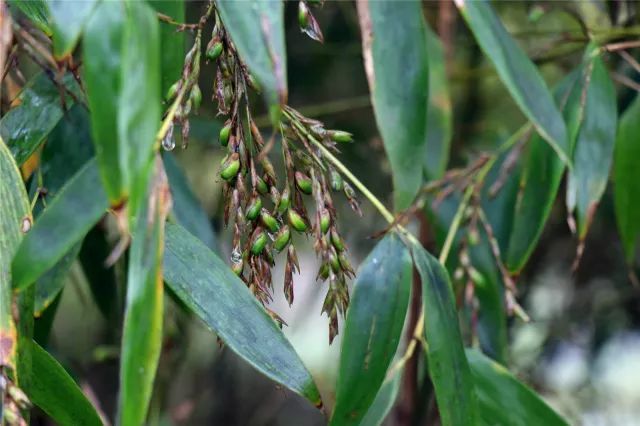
x,y
224,133
254,208
269,221
296,220
259,243
230,166
304,183
282,238
214,51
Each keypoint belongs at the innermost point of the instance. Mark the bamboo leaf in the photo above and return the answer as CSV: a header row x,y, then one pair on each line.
x,y
219,298
36,11
68,19
257,30
373,327
55,392
395,55
503,400
171,41
448,366
384,401
15,220
54,234
518,73
142,329
627,175
594,147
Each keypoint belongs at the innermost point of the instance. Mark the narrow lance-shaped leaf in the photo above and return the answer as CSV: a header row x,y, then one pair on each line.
x,y
447,362
503,400
171,41
518,73
68,19
209,288
373,328
594,147
439,119
36,11
384,401
55,392
142,329
15,220
627,178
257,30
54,234
395,57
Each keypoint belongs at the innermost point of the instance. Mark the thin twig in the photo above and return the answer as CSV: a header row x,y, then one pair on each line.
x,y
630,59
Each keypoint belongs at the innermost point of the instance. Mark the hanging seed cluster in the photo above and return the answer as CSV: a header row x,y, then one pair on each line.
x,y
266,211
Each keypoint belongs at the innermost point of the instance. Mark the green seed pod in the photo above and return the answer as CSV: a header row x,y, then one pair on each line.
x,y
285,201
282,238
259,242
254,208
296,220
173,91
303,15
261,186
334,262
336,241
304,183
230,166
269,221
224,133
214,51
325,221
344,262
340,136
196,96
237,267
323,273
336,180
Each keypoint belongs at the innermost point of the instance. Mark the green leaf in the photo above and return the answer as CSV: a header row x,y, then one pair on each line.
x,y
171,41
448,366
518,73
257,30
215,294
26,126
373,328
101,47
541,178
55,392
503,400
15,219
102,279
627,175
186,207
68,19
142,329
439,117
594,147
51,283
384,401
395,55
53,235
36,11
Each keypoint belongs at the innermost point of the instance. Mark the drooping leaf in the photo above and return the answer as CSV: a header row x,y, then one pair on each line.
x,y
36,11
384,401
15,220
503,400
171,41
186,207
257,30
217,296
439,119
627,178
373,327
102,59
395,55
142,329
26,126
593,153
53,235
448,366
68,20
518,73
55,392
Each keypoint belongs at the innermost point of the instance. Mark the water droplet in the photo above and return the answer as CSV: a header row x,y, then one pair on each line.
x,y
236,256
272,237
168,143
26,224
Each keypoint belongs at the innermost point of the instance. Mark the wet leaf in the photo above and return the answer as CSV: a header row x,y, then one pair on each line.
x,y
518,73
208,287
257,30
395,56
448,366
53,235
503,400
627,176
56,393
373,328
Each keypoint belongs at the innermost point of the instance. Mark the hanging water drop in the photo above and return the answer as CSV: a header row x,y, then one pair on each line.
x,y
168,143
236,256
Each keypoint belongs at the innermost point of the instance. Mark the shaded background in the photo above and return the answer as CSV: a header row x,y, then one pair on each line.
x,y
582,348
